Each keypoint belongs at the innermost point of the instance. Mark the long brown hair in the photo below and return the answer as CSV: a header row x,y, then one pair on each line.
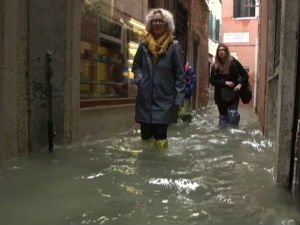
x,y
222,65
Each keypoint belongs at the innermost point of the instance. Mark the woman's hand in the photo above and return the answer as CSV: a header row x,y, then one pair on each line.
x,y
229,83
237,87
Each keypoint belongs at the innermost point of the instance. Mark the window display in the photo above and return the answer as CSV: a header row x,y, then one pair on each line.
x,y
108,44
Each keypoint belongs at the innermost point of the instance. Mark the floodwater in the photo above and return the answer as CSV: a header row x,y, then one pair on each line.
x,y
208,175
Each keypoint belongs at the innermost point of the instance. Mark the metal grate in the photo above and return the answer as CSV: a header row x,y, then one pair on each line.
x,y
277,33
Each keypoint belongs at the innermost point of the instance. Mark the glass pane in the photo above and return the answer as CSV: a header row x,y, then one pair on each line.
x,y
236,8
244,8
252,8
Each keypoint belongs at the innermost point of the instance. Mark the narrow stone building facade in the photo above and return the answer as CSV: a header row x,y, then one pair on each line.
x,y
278,92
198,45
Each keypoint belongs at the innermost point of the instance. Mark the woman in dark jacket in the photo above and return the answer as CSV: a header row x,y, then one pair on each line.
x,y
228,76
159,76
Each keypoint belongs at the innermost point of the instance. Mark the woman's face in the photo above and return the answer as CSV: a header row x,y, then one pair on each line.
x,y
158,25
222,52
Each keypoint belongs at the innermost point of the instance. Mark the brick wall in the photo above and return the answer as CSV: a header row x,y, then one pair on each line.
x,y
198,34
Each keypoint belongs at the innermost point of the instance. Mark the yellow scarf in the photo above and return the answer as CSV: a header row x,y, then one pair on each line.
x,y
159,46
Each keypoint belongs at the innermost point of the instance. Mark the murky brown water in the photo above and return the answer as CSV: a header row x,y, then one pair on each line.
x,y
207,175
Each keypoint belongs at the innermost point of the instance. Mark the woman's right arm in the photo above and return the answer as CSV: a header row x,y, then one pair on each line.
x,y
216,79
137,65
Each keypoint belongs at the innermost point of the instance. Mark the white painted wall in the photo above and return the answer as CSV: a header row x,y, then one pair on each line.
x,y
215,7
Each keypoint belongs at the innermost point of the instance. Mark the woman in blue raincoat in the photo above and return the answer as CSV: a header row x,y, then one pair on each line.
x,y
160,78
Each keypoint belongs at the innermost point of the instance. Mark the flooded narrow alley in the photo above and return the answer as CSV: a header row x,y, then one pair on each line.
x,y
208,175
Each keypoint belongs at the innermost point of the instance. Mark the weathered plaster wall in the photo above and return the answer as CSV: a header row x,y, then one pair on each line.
x,y
13,78
287,87
262,62
54,25
72,71
47,27
281,87
198,33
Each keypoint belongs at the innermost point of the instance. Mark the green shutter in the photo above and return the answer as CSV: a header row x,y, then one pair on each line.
x,y
236,8
210,24
214,27
252,8
217,30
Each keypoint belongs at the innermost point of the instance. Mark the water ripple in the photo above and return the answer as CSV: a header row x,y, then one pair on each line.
x,y
90,177
256,146
181,184
207,175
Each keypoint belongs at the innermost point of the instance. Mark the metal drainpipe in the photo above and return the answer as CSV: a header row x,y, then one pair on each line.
x,y
255,75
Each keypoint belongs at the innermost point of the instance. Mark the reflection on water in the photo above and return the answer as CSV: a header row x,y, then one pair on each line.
x,y
180,184
208,175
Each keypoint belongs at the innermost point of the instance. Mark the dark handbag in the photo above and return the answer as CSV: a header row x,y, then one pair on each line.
x,y
227,94
245,93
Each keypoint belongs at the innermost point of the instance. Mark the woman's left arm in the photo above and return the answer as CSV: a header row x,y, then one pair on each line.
x,y
137,66
179,76
243,75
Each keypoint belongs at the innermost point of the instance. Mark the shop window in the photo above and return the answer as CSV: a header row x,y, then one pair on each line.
x,y
108,46
244,8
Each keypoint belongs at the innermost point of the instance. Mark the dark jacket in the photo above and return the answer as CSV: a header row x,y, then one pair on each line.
x,y
160,86
237,74
191,80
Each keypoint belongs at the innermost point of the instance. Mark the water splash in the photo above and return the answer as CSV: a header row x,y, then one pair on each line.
x,y
180,184
90,177
256,146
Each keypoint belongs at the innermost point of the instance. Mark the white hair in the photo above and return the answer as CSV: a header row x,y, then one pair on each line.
x,y
167,16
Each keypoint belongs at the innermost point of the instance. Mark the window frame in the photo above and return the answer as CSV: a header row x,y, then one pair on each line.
x,y
124,33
